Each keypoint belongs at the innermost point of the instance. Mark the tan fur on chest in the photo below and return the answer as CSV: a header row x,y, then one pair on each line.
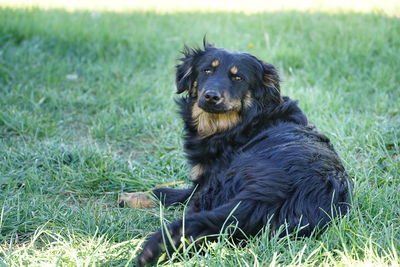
x,y
196,171
210,123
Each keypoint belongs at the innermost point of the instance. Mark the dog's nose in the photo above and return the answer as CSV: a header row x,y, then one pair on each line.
x,y
212,97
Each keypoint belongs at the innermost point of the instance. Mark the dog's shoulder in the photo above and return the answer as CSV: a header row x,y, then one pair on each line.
x,y
282,126
286,112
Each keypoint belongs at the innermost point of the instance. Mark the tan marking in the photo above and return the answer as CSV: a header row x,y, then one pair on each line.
x,y
270,82
234,70
215,63
196,171
210,123
193,90
232,104
248,100
184,90
137,200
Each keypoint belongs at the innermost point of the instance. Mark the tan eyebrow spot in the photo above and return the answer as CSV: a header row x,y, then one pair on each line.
x,y
215,63
234,70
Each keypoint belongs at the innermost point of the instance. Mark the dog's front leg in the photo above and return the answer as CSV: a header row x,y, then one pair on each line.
x,y
167,196
138,200
202,224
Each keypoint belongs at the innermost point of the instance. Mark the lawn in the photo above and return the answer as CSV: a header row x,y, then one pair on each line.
x,y
87,111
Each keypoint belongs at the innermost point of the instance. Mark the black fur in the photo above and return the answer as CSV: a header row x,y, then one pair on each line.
x,y
272,166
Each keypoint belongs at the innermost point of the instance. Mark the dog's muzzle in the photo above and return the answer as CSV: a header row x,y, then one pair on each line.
x,y
212,101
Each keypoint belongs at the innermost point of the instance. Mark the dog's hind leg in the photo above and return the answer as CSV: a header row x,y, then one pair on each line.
x,y
249,216
167,196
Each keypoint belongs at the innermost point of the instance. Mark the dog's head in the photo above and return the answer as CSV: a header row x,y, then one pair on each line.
x,y
224,84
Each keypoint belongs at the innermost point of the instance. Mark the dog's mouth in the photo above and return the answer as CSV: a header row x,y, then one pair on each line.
x,y
214,109
217,104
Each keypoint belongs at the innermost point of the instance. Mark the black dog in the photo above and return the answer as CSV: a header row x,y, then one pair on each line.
x,y
255,158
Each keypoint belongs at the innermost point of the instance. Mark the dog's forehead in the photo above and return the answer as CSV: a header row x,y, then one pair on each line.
x,y
222,54
229,58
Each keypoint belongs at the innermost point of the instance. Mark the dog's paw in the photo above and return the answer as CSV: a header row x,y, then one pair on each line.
x,y
149,254
151,250
137,200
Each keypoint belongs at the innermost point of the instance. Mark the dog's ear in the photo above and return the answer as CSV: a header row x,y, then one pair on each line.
x,y
186,72
270,91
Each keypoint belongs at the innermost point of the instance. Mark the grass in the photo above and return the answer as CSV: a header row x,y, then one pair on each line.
x,y
389,7
87,111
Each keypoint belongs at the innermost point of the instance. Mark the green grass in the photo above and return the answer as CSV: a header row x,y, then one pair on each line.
x,y
87,111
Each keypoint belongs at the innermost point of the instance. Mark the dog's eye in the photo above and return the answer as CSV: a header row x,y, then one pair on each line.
x,y
237,78
207,71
